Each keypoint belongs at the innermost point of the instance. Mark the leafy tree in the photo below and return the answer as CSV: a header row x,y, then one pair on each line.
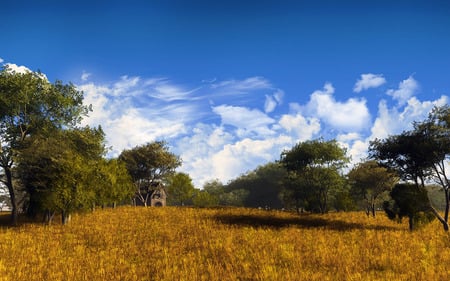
x,y
112,182
420,154
369,181
224,195
263,186
180,188
29,104
316,167
203,198
147,164
409,201
58,172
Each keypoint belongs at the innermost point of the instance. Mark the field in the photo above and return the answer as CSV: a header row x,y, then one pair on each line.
x,y
223,244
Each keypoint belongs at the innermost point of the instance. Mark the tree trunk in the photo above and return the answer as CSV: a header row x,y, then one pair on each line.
x,y
447,204
440,218
373,209
65,217
48,216
12,196
411,223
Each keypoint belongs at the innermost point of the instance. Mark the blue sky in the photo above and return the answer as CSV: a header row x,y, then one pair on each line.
x,y
230,84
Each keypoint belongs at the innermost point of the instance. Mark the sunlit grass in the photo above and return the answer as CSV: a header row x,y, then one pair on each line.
x,y
223,244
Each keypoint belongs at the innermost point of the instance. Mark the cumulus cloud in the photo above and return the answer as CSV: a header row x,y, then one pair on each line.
x,y
1,60
406,89
367,81
300,127
351,115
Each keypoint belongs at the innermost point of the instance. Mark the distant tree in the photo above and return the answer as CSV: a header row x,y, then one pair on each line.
x,y
224,195
180,188
263,186
369,181
202,198
409,201
148,164
29,104
316,167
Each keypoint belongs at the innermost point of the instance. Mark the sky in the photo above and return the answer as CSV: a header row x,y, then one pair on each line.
x,y
229,85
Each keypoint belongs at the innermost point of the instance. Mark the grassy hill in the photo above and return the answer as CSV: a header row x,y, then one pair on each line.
x,y
223,244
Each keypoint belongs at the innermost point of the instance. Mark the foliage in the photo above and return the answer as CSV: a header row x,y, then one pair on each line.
x,y
315,170
369,181
409,201
59,172
148,164
29,104
224,195
223,244
420,154
180,189
263,186
203,198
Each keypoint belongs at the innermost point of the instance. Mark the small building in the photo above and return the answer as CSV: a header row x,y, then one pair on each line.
x,y
158,198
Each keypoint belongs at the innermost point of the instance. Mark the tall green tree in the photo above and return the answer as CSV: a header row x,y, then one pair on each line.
x,y
58,171
369,181
30,104
148,164
180,188
316,166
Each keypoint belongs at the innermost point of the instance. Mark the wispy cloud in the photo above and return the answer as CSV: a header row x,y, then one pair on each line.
x,y
367,81
85,76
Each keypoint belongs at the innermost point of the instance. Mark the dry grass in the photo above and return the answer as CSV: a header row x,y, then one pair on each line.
x,y
223,244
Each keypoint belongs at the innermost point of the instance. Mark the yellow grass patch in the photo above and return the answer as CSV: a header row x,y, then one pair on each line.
x,y
223,244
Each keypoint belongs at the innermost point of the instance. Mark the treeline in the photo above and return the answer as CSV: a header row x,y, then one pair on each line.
x,y
51,165
405,175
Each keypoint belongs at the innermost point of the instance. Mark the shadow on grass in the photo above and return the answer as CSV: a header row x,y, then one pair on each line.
x,y
303,221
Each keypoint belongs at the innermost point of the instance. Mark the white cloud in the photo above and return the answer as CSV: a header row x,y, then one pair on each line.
x,y
394,120
18,68
251,83
247,120
367,81
272,101
1,60
406,89
351,115
301,128
85,76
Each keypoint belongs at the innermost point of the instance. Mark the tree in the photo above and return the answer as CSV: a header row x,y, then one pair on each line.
x,y
147,164
30,104
420,155
203,199
112,182
369,181
316,167
409,201
180,188
263,185
58,171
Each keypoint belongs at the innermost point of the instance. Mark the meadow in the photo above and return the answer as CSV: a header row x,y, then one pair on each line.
x,y
131,243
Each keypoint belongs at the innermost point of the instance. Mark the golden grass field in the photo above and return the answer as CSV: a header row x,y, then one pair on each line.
x,y
223,244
